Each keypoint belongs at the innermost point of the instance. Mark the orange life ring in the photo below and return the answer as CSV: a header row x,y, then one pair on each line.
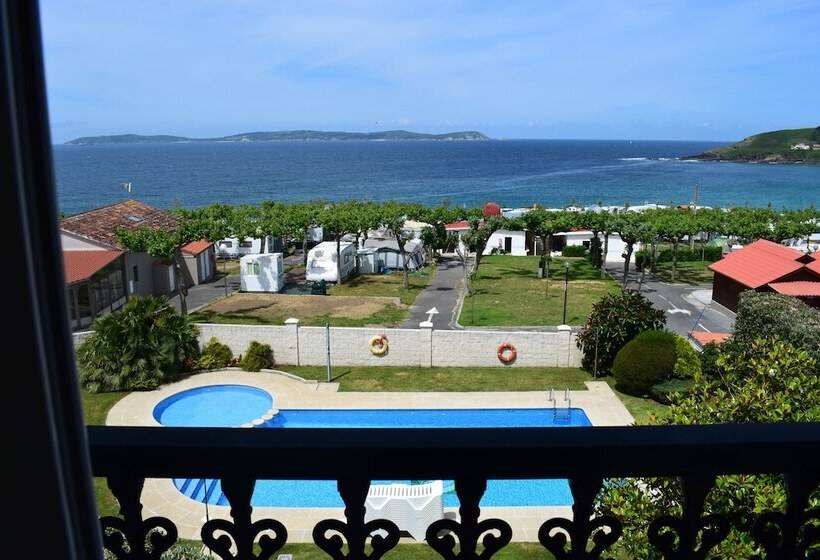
x,y
506,353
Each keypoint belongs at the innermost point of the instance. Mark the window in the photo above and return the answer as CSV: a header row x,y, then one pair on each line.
x,y
227,244
585,244
135,273
246,244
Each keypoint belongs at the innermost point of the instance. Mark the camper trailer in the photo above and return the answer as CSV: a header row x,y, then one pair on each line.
x,y
321,262
262,273
233,247
379,255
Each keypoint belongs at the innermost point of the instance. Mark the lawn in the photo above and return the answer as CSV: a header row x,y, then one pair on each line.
x,y
689,272
420,551
403,379
95,409
507,292
386,285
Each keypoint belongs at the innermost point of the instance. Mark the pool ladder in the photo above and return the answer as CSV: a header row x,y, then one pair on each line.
x,y
562,415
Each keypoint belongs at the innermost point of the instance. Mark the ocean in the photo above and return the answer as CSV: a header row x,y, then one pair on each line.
x,y
512,173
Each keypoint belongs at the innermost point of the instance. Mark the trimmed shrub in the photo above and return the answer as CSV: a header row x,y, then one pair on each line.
x,y
139,347
708,254
644,361
573,251
687,361
663,392
595,252
215,355
708,360
615,320
767,315
258,356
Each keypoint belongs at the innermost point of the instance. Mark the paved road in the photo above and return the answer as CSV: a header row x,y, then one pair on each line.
x,y
688,307
443,293
204,294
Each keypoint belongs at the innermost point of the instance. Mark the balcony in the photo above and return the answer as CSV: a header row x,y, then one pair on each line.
x,y
696,455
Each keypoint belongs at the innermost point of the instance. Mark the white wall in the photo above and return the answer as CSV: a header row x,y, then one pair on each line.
x,y
496,241
73,243
615,248
295,345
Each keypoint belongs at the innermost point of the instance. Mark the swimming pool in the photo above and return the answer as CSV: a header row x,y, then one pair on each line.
x,y
206,406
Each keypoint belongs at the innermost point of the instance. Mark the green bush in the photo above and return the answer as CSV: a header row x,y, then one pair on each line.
x,y
663,391
767,315
215,355
258,356
708,254
644,361
687,361
595,256
708,360
573,251
139,347
615,320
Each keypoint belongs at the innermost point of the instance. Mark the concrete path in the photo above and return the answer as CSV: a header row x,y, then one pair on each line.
x,y
444,293
203,294
160,497
688,307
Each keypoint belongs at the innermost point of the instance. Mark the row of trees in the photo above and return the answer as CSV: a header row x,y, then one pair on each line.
x,y
293,222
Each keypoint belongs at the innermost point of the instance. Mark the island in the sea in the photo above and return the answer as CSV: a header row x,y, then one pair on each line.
x,y
304,135
798,145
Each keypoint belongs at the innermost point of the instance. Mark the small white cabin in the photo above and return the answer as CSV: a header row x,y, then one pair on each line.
x,y
615,247
262,273
321,261
508,241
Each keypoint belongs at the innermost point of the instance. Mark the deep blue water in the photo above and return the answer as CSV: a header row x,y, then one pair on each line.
x,y
510,172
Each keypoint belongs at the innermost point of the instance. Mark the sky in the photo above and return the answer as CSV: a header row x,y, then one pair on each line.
x,y
600,69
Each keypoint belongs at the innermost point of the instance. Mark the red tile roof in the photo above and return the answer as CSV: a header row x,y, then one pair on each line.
x,y
196,247
798,289
455,226
814,265
758,263
82,265
704,338
776,249
101,224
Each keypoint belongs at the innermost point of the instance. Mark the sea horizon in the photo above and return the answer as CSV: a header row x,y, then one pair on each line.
x,y
511,172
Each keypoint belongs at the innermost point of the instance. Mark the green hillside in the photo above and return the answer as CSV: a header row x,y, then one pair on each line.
x,y
773,146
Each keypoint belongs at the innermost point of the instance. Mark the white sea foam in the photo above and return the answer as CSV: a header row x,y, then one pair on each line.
x,y
632,158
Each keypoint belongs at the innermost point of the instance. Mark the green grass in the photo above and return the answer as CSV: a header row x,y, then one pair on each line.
x,y
420,551
403,379
774,143
506,291
386,285
640,408
95,409
690,272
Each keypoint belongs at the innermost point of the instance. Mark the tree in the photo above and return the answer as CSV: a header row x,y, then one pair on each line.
x,y
338,220
393,216
768,380
615,320
599,223
140,347
633,228
671,224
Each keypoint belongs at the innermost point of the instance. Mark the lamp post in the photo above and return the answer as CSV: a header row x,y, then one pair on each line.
x,y
566,290
222,248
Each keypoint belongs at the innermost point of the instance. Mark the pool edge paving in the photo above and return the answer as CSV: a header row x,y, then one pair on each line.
x,y
160,497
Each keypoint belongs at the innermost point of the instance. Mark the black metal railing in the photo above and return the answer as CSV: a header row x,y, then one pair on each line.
x,y
586,456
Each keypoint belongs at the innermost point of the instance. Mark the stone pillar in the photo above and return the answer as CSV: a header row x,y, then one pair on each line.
x,y
426,330
291,342
565,345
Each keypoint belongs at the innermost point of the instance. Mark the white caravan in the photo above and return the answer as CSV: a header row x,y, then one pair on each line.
x,y
321,261
262,273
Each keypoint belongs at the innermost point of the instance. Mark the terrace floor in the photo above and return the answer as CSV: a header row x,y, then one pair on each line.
x,y
160,497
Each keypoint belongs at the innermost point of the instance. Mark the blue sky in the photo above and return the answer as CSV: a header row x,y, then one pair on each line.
x,y
575,69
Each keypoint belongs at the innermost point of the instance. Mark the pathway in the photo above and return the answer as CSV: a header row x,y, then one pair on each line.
x,y
688,307
444,293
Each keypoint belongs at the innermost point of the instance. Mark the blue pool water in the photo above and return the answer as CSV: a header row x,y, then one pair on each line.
x,y
214,406
232,405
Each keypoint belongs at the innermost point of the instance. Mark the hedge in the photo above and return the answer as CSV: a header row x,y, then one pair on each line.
x,y
644,361
709,254
258,356
767,315
573,251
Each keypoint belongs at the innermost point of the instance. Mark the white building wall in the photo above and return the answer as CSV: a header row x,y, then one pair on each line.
x,y
497,241
73,243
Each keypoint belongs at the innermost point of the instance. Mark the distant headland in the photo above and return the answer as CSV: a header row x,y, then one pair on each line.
x,y
303,135
798,145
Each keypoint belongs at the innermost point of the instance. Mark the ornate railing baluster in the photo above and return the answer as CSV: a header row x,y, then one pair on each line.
x,y
790,535
556,534
497,533
692,535
237,540
131,537
355,531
